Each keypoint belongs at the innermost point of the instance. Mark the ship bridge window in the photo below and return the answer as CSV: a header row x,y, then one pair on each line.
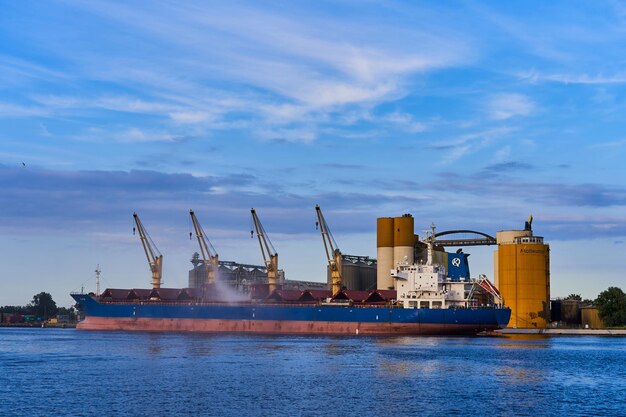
x,y
424,304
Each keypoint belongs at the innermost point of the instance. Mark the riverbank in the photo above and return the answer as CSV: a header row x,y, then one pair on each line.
x,y
566,332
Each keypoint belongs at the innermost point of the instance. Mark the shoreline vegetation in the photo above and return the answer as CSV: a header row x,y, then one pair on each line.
x,y
45,325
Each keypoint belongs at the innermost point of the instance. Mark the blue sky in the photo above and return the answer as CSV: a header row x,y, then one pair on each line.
x,y
466,114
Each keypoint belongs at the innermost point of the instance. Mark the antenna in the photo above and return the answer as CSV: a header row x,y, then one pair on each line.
x,y
98,280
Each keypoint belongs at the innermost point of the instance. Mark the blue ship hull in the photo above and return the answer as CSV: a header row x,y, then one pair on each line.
x,y
253,317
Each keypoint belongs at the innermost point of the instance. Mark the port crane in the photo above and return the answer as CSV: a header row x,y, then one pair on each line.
x,y
270,256
155,259
209,255
333,254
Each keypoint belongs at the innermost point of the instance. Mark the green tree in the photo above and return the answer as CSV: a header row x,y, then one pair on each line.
x,y
43,305
66,312
14,310
612,307
576,297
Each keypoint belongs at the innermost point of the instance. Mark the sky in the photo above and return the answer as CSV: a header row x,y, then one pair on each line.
x,y
468,115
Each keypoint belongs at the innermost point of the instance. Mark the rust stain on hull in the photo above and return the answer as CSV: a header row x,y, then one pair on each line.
x,y
275,326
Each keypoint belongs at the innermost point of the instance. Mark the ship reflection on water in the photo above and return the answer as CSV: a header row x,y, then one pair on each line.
x,y
525,341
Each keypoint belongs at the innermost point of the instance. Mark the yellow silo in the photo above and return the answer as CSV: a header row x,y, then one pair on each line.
x,y
522,266
403,240
384,243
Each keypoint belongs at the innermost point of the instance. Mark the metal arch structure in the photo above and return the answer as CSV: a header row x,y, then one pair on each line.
x,y
486,239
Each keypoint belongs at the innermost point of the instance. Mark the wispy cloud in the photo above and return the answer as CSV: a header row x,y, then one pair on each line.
x,y
10,110
534,76
286,63
469,143
611,144
505,106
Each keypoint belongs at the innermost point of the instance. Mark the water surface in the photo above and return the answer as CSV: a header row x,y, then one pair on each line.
x,y
57,372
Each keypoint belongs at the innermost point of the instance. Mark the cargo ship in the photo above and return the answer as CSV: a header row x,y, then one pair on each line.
x,y
420,298
426,301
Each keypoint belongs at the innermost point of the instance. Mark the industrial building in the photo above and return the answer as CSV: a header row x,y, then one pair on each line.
x,y
358,273
243,277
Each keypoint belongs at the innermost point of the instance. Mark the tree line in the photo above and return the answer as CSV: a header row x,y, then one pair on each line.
x,y
42,305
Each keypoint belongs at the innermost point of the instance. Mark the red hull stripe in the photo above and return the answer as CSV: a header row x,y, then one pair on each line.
x,y
275,326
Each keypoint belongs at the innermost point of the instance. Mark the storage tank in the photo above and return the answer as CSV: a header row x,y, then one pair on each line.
x,y
350,276
357,273
384,243
590,318
570,312
523,270
555,310
403,240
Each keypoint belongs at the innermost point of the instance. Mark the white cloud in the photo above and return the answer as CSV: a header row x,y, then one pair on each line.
x,y
505,106
405,121
534,77
471,142
611,144
456,153
503,154
190,116
288,57
10,110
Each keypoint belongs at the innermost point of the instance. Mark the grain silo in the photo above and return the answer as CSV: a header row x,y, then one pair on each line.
x,y
384,243
403,240
357,273
395,241
522,270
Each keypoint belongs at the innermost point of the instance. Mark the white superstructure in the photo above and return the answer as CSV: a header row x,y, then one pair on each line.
x,y
428,286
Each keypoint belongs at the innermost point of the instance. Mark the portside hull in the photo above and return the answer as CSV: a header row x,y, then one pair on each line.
x,y
278,326
286,319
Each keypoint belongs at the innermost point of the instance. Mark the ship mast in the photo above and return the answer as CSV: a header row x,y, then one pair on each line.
x,y
98,280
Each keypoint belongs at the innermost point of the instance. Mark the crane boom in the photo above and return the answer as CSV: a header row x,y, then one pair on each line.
x,y
333,254
155,259
270,257
209,256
